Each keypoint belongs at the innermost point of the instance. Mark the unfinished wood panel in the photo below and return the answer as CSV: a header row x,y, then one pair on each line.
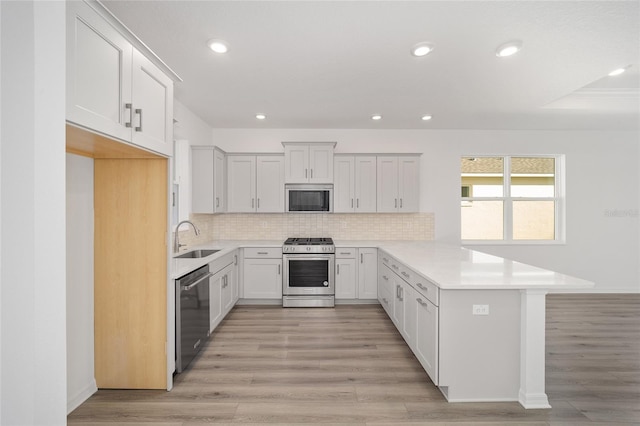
x,y
130,273
89,144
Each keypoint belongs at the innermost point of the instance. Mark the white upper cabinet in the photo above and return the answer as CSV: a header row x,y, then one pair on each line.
x,y
152,104
112,88
398,184
207,179
308,162
270,184
354,184
255,183
344,185
241,183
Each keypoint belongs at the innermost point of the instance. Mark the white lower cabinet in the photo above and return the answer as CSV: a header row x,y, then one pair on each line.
x,y
262,273
410,301
215,300
367,273
426,344
356,273
345,278
223,288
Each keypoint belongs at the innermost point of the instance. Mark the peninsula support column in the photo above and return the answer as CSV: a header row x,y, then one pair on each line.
x,y
532,349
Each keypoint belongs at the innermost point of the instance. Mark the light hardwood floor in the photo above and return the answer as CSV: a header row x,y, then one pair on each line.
x,y
349,365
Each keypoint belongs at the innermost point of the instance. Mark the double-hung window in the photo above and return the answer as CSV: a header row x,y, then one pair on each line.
x,y
512,199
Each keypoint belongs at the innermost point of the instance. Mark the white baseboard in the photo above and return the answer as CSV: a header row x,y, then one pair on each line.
x,y
80,397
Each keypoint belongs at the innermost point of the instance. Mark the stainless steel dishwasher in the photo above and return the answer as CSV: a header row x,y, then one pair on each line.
x,y
192,315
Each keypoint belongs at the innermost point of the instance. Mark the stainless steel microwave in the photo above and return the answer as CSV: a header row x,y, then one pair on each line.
x,y
309,198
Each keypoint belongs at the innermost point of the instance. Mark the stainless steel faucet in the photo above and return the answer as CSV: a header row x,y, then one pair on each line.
x,y
176,243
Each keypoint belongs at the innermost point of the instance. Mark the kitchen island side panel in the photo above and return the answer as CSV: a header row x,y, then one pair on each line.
x,y
480,354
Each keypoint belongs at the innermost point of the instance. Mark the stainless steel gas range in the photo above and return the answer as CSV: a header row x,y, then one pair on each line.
x,y
308,279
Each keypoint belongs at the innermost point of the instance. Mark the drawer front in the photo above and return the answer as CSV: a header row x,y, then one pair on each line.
x,y
426,288
263,252
384,258
346,253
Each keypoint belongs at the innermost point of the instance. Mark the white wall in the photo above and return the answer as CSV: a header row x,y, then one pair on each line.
x,y
189,126
32,294
602,176
80,356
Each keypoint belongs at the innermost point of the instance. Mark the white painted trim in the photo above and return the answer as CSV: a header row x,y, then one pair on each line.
x,y
80,397
532,349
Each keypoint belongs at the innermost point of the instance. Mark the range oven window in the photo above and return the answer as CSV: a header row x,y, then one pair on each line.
x,y
308,273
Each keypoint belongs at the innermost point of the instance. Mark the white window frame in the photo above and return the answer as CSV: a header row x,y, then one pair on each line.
x,y
507,200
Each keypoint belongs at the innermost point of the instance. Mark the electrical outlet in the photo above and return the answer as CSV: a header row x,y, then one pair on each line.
x,y
480,309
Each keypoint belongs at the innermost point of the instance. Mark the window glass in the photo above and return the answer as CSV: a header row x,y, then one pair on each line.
x,y
482,220
534,220
483,175
532,177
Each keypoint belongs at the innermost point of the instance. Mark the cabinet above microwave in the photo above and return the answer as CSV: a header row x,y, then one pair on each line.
x,y
308,162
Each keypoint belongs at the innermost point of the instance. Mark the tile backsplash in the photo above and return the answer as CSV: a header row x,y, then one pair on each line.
x,y
279,226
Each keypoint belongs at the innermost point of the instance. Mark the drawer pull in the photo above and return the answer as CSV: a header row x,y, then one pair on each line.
x,y
263,252
394,266
422,287
421,302
405,274
385,259
345,253
386,278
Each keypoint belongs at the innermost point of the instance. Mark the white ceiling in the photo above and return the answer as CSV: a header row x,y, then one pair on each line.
x,y
332,64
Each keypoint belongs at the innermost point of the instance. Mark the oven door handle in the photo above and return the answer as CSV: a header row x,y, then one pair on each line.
x,y
310,256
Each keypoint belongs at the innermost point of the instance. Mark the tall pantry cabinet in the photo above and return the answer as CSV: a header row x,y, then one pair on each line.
x,y
120,113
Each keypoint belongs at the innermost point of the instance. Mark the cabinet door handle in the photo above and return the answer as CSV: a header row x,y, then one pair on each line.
x,y
396,205
139,112
338,271
357,203
258,202
402,294
235,259
352,203
305,174
400,202
361,258
130,108
311,173
217,202
278,269
253,203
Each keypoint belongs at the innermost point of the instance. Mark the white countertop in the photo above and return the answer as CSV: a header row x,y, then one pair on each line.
x,y
452,267
184,266
448,266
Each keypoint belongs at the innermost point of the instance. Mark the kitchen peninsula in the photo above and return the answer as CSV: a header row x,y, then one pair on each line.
x,y
476,322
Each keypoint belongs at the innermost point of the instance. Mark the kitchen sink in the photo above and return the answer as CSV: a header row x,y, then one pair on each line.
x,y
196,254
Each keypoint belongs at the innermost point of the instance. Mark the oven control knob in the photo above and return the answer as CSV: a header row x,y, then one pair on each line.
x,y
308,248
326,283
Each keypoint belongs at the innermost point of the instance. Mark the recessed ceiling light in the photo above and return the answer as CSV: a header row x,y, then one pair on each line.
x,y
261,116
422,49
617,72
376,117
427,117
508,49
218,46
